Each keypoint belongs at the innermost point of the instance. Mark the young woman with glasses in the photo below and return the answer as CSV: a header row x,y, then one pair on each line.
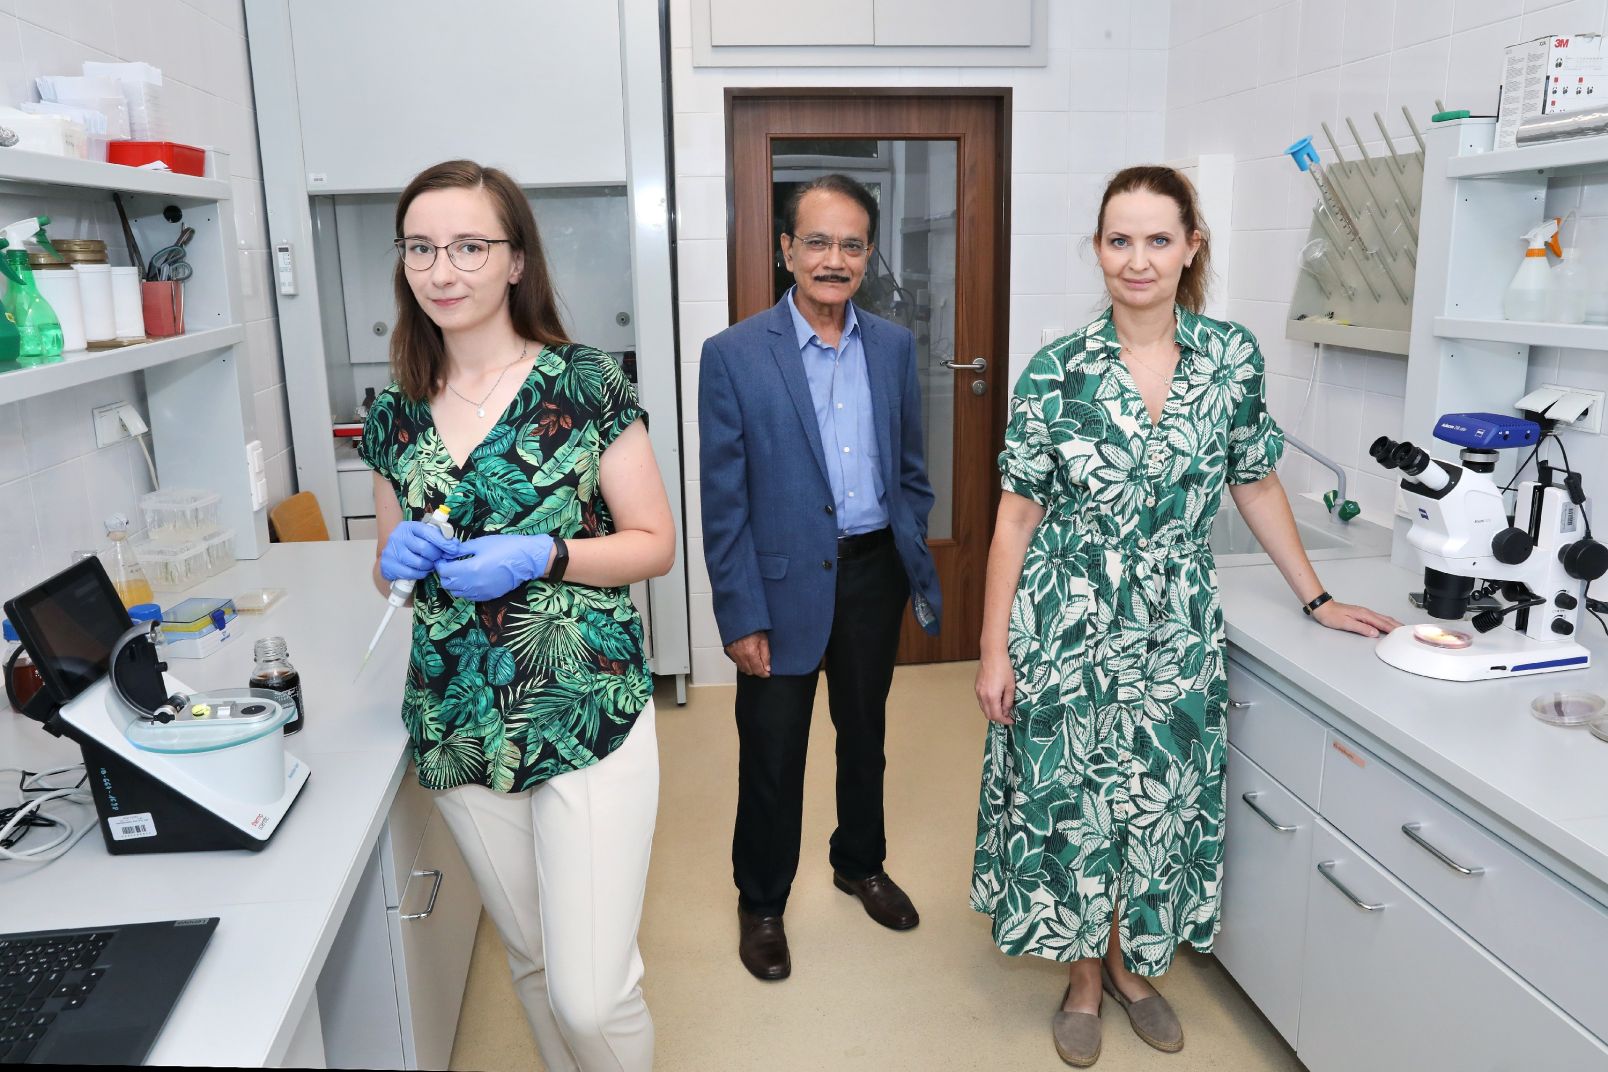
x,y
527,697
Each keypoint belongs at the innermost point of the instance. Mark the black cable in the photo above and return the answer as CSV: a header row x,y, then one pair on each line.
x,y
1522,465
1572,482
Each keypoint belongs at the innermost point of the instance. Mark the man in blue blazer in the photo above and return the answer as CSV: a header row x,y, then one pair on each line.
x,y
815,503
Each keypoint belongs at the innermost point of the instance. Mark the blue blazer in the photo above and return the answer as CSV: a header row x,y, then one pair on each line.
x,y
770,531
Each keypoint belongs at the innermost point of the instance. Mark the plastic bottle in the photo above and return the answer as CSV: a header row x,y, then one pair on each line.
x,y
273,671
1569,279
122,567
37,323
22,678
1529,295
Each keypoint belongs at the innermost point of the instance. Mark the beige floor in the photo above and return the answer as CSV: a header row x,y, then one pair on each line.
x,y
938,997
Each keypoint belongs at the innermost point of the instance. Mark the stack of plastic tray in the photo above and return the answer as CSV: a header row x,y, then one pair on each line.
x,y
183,542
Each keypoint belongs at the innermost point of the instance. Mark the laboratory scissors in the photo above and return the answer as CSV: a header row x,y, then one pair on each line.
x,y
170,263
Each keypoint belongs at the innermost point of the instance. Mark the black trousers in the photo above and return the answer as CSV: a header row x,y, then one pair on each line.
x,y
773,729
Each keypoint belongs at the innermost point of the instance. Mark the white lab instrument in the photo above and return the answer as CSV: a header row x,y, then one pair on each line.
x,y
403,588
1540,559
1529,295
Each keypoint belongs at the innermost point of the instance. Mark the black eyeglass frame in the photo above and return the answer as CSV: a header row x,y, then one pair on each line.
x,y
401,245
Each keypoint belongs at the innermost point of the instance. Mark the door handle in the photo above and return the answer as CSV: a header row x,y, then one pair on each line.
x,y
976,364
1413,835
1250,801
1326,869
434,890
1240,705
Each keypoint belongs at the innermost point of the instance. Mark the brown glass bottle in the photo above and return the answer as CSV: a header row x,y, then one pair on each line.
x,y
273,671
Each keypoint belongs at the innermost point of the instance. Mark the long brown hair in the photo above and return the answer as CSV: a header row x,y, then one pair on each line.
x,y
418,358
1169,183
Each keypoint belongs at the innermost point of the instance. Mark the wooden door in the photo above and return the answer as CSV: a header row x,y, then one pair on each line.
x,y
938,163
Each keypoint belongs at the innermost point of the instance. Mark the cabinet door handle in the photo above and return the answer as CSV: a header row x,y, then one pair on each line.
x,y
1413,835
434,889
1250,802
1326,869
1240,705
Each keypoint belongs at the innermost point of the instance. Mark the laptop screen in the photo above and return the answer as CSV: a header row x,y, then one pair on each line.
x,y
69,624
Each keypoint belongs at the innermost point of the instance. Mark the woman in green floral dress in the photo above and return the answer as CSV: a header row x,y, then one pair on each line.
x,y
527,697
1099,835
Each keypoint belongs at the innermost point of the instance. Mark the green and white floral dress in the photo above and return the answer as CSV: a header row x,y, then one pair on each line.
x,y
1109,786
550,677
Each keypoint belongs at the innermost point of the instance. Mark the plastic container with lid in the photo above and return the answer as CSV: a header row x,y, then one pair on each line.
x,y
177,514
219,548
196,627
171,566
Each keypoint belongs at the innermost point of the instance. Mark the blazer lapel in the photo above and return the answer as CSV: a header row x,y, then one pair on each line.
x,y
784,348
879,370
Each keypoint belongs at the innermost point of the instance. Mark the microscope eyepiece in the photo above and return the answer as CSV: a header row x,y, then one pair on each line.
x,y
1414,462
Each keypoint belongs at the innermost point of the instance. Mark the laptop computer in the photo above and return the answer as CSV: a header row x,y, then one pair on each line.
x,y
94,995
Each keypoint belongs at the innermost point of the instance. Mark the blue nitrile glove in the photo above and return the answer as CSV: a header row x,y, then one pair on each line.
x,y
413,551
493,566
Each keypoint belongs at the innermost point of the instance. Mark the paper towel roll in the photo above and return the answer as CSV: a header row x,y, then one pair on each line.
x,y
126,309
95,285
60,289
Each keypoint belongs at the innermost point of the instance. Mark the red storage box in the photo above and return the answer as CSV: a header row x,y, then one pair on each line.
x,y
183,159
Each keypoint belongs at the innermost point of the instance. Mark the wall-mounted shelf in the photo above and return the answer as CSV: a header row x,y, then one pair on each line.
x,y
20,166
81,367
1565,157
1524,332
1356,337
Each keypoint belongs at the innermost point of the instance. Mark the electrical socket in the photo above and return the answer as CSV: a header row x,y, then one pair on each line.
x,y
109,424
1589,422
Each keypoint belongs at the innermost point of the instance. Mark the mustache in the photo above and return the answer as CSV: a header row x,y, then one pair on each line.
x,y
832,278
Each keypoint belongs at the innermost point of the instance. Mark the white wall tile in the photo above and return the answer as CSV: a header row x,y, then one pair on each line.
x,y
1278,43
1233,53
22,564
1031,314
700,208
1044,142
700,145
1050,88
700,320
693,89
1417,79
1146,88
1472,13
13,447
1145,144
705,632
1337,428
1343,367
1102,80
109,483
701,270
1364,90
692,520
1039,264
1387,375
1322,35
63,513
1421,20
1098,141
1151,23
1474,77
273,421
1097,23
1365,24
1039,204
1579,16
697,568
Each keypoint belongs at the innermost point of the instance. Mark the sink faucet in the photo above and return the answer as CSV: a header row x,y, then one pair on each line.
x,y
1336,500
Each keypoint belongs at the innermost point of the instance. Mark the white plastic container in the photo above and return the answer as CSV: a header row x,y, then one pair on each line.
x,y
128,316
219,547
61,290
180,514
172,566
95,286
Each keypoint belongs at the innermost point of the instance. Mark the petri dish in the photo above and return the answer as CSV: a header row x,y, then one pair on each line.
x,y
1599,727
1438,637
1567,708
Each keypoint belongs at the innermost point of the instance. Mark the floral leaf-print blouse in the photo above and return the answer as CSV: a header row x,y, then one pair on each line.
x,y
550,677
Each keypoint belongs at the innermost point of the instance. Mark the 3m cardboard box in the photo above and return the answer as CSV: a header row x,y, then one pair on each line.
x,y
1553,74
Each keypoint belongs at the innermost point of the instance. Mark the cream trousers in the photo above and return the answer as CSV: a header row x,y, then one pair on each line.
x,y
561,870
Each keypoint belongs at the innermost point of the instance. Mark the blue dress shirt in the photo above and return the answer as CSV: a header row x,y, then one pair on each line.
x,y
840,386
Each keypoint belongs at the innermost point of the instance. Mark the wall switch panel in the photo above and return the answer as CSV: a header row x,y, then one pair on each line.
x,y
109,424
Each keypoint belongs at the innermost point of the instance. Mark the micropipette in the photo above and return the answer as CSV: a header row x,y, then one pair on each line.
x,y
402,588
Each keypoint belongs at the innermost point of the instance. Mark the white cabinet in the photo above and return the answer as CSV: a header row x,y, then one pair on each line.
x,y
1390,984
1267,843
1383,927
390,993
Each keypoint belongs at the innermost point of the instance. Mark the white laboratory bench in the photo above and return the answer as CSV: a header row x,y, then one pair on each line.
x,y
310,961
1415,871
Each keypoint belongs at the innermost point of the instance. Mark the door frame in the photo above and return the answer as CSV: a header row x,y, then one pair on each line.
x,y
743,298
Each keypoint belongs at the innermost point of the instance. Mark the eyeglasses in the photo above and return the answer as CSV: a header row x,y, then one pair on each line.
x,y
466,254
852,248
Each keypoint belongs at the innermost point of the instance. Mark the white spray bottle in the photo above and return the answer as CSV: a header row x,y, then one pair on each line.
x,y
1570,289
1528,297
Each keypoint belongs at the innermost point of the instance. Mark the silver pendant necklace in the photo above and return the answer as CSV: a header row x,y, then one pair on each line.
x,y
480,407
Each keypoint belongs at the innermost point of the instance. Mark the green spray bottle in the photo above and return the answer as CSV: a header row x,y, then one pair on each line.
x,y
36,321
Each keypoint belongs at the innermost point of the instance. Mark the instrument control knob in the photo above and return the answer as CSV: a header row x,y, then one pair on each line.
x,y
1565,601
1512,546
1585,560
1562,627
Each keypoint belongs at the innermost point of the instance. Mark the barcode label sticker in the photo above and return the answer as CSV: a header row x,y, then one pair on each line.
x,y
129,827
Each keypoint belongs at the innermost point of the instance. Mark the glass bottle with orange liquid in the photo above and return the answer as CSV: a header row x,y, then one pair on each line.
x,y
122,567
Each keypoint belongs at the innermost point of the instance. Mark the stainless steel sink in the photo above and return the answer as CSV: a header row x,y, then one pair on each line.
x,y
1324,537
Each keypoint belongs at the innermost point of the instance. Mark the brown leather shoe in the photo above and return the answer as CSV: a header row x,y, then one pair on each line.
x,y
884,901
763,946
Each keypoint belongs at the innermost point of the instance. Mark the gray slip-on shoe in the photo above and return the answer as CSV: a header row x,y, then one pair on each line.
x,y
1152,1018
1077,1035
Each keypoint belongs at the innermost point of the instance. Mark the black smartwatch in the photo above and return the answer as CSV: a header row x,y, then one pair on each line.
x,y
555,572
1323,597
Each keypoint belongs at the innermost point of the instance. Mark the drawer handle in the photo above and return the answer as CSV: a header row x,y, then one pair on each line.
x,y
1250,802
1412,832
434,889
1240,705
1326,869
